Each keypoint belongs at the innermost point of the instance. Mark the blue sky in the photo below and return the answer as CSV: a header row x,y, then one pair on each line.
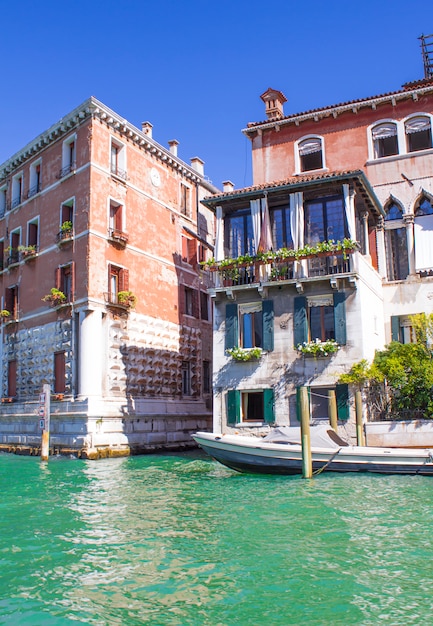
x,y
195,69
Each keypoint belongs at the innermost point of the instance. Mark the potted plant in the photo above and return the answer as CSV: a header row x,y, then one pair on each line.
x,y
4,313
27,251
318,348
127,299
244,354
55,297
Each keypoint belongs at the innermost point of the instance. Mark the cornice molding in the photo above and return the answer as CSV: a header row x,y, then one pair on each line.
x,y
93,108
335,110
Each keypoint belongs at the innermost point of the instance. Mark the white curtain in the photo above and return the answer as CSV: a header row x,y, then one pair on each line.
x,y
265,242
417,124
297,219
219,236
309,146
257,222
423,243
384,130
349,205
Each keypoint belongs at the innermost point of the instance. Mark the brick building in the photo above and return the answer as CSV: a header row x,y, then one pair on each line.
x,y
101,232
361,171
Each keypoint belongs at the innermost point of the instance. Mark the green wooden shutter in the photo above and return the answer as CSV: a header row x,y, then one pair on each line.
x,y
268,324
300,322
342,397
233,407
340,317
268,406
395,328
231,325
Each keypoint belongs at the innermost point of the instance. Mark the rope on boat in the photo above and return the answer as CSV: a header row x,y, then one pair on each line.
x,y
321,469
428,459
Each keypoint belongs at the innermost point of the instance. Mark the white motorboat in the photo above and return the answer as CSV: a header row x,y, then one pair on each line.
x,y
280,452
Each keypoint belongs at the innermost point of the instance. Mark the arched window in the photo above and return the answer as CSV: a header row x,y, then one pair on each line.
x,y
418,133
310,154
424,207
397,259
385,140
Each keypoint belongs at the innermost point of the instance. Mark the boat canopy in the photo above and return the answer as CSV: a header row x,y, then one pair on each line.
x,y
322,436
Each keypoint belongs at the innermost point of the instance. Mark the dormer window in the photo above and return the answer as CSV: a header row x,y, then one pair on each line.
x,y
310,154
418,133
385,140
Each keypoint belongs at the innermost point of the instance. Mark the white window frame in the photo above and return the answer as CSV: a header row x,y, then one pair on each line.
x,y
118,203
17,190
67,162
36,221
407,119
119,169
3,199
34,188
371,147
298,169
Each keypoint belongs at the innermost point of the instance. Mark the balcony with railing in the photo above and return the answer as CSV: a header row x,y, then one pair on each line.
x,y
34,190
67,169
324,260
117,171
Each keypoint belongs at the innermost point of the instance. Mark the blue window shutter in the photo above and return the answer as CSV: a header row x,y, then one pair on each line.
x,y
342,397
233,407
268,324
231,325
395,328
340,317
268,406
300,322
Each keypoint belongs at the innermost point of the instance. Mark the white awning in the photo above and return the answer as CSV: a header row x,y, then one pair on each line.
x,y
382,131
309,146
417,124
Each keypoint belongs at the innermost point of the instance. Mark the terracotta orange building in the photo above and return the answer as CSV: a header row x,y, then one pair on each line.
x,y
101,233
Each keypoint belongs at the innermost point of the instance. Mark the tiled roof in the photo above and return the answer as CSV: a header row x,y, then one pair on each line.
x,y
292,180
403,93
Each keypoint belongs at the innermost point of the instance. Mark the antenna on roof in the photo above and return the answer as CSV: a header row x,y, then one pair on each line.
x,y
427,54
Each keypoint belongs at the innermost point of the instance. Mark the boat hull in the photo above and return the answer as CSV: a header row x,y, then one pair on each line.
x,y
252,455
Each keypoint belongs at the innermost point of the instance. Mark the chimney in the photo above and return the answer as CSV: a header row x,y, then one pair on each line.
x,y
146,127
274,101
198,165
228,186
173,146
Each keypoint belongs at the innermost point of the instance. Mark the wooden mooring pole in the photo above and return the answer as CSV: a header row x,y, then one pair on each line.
x,y
44,421
359,425
332,409
307,462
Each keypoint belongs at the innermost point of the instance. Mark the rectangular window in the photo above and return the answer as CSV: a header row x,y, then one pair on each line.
x,y
250,325
320,317
35,184
12,379
204,306
318,402
402,329
190,307
69,163
13,252
67,214
33,233
65,281
185,199
116,217
238,234
206,377
118,159
325,219
118,280
280,225
17,190
11,301
186,378
2,254
250,406
189,250
59,372
3,200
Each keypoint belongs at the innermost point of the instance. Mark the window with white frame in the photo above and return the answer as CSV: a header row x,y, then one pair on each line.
x,y
3,200
385,139
117,158
397,259
185,199
17,189
418,133
33,233
35,179
69,150
310,154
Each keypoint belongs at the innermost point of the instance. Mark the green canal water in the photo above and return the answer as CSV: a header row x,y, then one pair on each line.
x,y
180,540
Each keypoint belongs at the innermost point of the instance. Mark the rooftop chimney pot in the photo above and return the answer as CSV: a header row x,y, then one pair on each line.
x,y
146,127
228,186
173,146
198,165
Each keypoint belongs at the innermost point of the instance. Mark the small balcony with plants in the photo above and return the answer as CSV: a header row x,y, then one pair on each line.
x,y
27,253
318,349
12,256
55,298
125,300
66,232
326,258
